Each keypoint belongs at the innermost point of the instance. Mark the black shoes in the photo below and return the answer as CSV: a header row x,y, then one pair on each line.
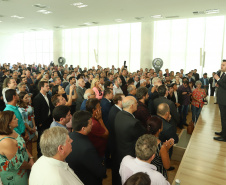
x,y
218,133
219,139
171,168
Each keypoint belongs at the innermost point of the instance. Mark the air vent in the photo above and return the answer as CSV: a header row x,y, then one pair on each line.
x,y
172,17
139,18
40,6
1,15
198,12
59,27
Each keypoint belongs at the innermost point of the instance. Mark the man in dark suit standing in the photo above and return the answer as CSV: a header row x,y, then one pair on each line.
x,y
106,105
196,75
163,93
80,93
221,83
124,84
212,83
43,110
127,130
118,98
84,159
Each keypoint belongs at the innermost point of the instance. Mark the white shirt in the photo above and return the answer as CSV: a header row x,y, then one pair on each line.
x,y
49,171
47,101
130,166
117,90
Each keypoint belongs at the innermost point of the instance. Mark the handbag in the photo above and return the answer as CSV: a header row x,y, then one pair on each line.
x,y
190,127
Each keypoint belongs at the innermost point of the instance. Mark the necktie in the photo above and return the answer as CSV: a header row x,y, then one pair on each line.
x,y
222,75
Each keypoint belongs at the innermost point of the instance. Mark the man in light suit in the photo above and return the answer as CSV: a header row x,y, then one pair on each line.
x,y
221,83
127,130
80,93
43,110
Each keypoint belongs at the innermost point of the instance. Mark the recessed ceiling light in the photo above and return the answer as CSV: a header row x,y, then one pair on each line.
x,y
212,11
44,11
17,17
119,20
172,17
77,4
157,16
90,23
82,6
0,21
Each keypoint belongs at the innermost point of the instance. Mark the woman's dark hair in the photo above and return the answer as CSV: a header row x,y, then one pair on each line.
x,y
21,103
91,104
139,178
5,119
154,124
55,90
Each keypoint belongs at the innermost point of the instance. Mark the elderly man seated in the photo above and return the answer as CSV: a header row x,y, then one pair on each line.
x,y
145,149
49,169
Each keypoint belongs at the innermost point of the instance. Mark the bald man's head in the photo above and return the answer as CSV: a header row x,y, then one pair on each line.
x,y
129,103
163,111
89,93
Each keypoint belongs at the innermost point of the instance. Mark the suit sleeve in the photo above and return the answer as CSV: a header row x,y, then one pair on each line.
x,y
222,83
94,164
139,130
37,111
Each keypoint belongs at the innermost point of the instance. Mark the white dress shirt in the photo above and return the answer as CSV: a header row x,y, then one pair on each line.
x,y
49,171
117,90
47,101
130,166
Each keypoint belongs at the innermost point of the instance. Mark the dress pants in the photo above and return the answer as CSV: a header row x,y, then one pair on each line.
x,y
223,119
184,113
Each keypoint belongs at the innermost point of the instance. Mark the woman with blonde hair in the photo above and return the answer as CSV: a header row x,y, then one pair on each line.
x,y
97,88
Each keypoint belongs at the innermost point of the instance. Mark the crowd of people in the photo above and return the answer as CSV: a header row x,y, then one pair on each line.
x,y
88,120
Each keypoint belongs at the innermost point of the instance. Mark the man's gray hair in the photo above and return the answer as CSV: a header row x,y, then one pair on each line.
x,y
51,139
198,82
142,81
146,147
129,88
128,103
155,80
20,84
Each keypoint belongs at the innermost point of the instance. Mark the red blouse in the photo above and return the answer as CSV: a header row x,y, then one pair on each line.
x,y
199,95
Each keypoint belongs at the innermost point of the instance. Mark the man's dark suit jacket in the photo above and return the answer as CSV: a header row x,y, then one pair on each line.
x,y
221,91
116,179
41,110
124,85
175,120
80,97
173,98
196,75
127,130
105,109
85,161
168,131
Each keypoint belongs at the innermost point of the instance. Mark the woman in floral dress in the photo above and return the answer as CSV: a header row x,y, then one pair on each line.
x,y
15,160
27,112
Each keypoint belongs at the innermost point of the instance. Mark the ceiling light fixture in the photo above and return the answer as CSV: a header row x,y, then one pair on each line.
x,y
17,17
157,16
119,20
79,5
212,11
44,11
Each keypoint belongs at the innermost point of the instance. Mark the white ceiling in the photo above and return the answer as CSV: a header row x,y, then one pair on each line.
x,y
102,11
